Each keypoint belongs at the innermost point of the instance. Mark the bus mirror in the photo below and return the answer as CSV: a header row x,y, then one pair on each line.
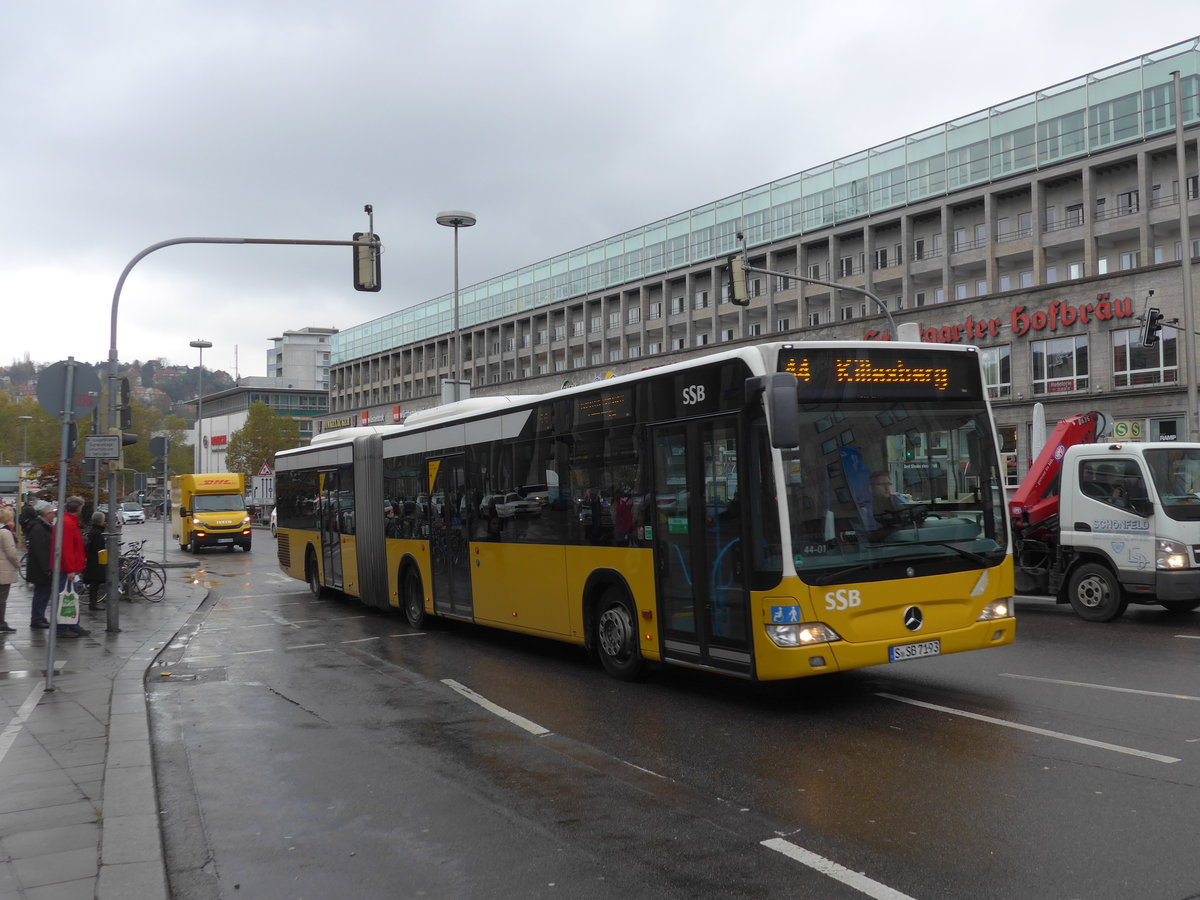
x,y
782,406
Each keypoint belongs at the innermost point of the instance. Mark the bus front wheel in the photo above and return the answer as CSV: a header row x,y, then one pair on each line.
x,y
617,638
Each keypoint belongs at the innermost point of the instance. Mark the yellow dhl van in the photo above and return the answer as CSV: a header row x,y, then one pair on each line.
x,y
210,511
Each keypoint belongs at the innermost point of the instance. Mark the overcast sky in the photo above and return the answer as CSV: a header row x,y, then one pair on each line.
x,y
558,123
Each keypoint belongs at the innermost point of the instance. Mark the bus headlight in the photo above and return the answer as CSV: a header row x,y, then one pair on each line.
x,y
997,609
802,634
1170,555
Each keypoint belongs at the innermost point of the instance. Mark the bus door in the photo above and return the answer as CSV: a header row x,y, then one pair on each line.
x,y
449,516
329,502
703,600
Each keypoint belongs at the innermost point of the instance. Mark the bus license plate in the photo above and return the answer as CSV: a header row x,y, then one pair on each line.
x,y
901,652
224,540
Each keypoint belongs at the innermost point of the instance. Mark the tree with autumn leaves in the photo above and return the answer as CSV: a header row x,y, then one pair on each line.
x,y
255,444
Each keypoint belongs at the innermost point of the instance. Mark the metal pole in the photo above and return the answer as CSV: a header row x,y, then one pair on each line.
x,y
114,531
200,344
1185,235
56,554
457,331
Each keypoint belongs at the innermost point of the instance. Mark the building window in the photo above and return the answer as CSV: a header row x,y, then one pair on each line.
x,y
919,248
1026,279
1008,454
654,347
1006,282
919,298
677,305
846,313
701,340
814,318
881,259
594,325
1127,203
814,271
1074,270
960,292
560,332
846,266
898,255
1075,215
980,287
939,295
635,350
754,329
1102,265
679,343
614,355
1131,260
997,371
1135,365
614,320
656,310
727,334
783,324
700,301
1060,365
576,329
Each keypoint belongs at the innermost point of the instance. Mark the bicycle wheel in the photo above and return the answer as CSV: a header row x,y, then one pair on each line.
x,y
149,583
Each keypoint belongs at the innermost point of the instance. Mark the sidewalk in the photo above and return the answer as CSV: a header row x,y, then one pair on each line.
x,y
78,810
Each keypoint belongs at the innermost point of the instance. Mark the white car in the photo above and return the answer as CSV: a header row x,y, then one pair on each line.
x,y
131,513
274,522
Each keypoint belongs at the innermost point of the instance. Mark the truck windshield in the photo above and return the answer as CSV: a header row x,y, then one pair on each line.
x,y
218,503
1176,474
882,488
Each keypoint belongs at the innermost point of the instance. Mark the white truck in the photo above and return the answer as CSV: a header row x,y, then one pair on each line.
x,y
1103,525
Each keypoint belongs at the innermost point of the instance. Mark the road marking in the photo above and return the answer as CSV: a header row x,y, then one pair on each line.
x,y
248,652
408,634
1190,637
304,646
18,721
828,867
362,640
1035,730
1101,687
520,721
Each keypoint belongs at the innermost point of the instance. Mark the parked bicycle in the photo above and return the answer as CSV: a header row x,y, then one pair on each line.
x,y
139,576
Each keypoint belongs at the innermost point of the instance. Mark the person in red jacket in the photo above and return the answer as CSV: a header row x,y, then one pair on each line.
x,y
74,558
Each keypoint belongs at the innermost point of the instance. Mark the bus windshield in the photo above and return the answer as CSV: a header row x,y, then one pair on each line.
x,y
877,489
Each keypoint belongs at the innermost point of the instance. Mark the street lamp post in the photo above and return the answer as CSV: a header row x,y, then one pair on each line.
x,y
200,345
456,219
24,462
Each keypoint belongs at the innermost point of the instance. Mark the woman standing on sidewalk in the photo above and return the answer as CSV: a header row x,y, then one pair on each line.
x,y
94,574
10,565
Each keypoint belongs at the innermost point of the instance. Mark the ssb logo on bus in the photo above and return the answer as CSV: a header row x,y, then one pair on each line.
x,y
844,598
693,394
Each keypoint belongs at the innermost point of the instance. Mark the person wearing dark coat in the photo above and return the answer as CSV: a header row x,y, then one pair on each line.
x,y
95,574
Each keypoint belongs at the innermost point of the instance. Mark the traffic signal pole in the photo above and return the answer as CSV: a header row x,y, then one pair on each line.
x,y
113,544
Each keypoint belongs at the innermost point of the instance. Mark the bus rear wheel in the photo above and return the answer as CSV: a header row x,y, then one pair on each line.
x,y
616,636
312,574
412,597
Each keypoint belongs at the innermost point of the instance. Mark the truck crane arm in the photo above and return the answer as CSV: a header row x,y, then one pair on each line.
x,y
1036,500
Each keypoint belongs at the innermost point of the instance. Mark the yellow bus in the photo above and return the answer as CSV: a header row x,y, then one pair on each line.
x,y
729,513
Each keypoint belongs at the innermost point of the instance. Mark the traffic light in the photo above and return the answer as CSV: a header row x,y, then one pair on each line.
x,y
737,280
367,268
1151,326
126,409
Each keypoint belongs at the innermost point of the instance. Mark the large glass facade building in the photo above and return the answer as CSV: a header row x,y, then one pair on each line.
x,y
1070,191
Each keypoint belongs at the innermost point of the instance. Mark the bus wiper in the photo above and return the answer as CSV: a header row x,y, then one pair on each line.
x,y
965,554
837,575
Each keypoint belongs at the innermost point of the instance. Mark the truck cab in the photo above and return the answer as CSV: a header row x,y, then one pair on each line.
x,y
1127,530
210,511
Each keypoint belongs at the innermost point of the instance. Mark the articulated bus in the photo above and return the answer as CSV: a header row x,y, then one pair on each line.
x,y
727,513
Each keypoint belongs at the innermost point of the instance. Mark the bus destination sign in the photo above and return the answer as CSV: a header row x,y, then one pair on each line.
x,y
830,373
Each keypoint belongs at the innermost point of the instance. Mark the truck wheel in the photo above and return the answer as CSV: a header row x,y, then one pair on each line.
x,y
193,547
617,637
1095,593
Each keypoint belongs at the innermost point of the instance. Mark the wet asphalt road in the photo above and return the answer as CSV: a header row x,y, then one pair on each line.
x,y
315,748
